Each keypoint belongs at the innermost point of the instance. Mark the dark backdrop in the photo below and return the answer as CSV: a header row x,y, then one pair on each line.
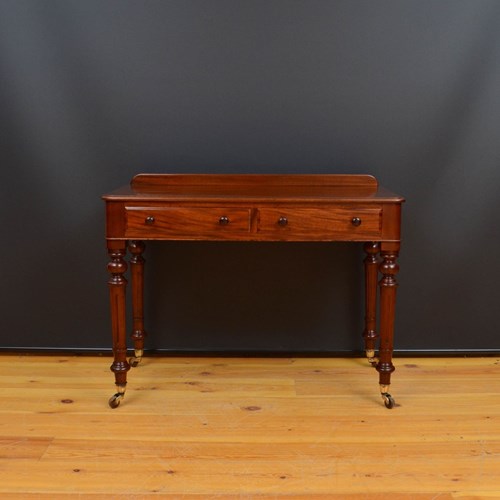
x,y
92,92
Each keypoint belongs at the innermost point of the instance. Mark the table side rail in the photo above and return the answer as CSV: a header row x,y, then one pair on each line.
x,y
270,222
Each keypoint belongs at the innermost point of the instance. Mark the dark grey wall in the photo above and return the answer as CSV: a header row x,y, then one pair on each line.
x,y
93,92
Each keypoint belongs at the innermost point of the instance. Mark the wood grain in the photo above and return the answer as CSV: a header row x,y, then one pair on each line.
x,y
249,428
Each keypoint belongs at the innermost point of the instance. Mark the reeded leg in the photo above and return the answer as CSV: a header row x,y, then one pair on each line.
x,y
371,274
136,248
117,287
388,286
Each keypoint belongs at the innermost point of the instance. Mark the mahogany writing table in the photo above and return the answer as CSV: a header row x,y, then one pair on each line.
x,y
253,207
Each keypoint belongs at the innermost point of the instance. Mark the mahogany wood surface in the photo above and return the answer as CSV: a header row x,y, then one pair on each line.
x,y
371,272
137,274
253,207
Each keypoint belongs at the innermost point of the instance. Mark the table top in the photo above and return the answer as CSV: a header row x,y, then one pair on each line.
x,y
255,188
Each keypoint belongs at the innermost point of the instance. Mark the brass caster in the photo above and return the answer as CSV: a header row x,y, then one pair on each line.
x,y
370,355
114,401
388,400
134,361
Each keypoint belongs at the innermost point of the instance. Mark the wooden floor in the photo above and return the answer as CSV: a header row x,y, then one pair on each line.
x,y
249,428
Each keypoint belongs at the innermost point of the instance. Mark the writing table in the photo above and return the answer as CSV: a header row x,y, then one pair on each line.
x,y
253,207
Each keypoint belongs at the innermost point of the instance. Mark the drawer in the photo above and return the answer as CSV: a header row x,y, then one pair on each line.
x,y
186,223
321,224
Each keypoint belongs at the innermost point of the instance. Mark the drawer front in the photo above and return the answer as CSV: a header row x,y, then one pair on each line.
x,y
186,223
320,224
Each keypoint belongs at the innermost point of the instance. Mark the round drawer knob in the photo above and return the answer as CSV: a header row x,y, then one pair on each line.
x,y
224,220
282,221
150,220
356,221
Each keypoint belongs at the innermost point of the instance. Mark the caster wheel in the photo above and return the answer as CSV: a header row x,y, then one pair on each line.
x,y
133,362
114,401
388,401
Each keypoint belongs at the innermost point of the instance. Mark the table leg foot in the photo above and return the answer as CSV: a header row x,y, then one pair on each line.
x,y
370,355
115,399
136,359
386,397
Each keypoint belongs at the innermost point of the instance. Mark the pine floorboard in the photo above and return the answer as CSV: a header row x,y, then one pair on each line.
x,y
195,428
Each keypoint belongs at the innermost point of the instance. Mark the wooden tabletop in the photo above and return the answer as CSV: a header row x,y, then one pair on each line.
x,y
255,187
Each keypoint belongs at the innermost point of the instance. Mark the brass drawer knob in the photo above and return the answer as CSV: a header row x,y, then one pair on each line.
x,y
356,221
150,220
224,220
282,221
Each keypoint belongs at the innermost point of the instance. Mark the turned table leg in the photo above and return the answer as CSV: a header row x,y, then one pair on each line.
x,y
117,287
136,248
371,278
388,286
